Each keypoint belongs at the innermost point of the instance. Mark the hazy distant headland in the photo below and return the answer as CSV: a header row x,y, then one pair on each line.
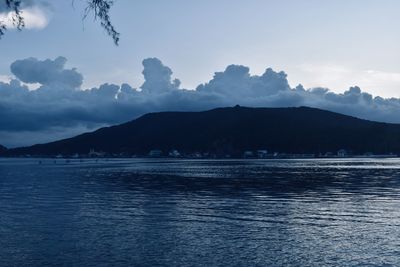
x,y
231,132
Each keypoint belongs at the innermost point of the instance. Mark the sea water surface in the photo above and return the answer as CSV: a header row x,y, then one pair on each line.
x,y
159,212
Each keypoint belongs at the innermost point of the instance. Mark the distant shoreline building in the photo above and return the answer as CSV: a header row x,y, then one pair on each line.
x,y
94,154
342,153
155,153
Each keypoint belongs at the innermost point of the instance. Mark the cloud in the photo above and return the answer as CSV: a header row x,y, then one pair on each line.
x,y
157,77
59,108
236,82
35,18
23,3
5,78
34,14
340,77
47,72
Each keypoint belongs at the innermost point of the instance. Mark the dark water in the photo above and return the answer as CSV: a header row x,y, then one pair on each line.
x,y
200,213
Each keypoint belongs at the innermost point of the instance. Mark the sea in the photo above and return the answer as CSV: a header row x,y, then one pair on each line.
x,y
176,212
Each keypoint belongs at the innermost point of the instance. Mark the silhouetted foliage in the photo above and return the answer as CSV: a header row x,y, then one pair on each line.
x,y
99,8
17,19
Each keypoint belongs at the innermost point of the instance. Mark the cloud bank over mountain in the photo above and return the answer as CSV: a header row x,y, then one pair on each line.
x,y
61,108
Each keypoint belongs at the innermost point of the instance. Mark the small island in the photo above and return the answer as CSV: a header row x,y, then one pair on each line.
x,y
233,132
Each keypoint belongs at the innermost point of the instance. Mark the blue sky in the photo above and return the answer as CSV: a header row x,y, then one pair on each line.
x,y
334,44
220,50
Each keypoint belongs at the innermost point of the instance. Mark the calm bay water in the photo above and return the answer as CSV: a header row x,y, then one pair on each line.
x,y
140,212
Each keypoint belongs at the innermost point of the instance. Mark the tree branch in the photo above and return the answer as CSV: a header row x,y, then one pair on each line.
x,y
100,9
17,19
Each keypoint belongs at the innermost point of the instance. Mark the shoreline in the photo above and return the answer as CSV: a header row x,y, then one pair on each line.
x,y
202,158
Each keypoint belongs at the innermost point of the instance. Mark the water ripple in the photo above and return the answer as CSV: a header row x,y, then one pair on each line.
x,y
150,212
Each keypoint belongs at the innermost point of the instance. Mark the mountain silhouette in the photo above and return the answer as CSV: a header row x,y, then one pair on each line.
x,y
232,131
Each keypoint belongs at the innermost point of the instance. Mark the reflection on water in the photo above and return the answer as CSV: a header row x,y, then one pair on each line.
x,y
200,213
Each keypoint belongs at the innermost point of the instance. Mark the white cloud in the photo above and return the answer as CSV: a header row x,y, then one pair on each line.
x,y
339,78
34,18
5,78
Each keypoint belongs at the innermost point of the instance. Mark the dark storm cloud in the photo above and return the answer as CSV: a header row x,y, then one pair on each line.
x,y
60,108
47,72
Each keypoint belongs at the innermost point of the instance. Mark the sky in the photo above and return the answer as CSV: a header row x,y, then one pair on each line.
x,y
350,47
